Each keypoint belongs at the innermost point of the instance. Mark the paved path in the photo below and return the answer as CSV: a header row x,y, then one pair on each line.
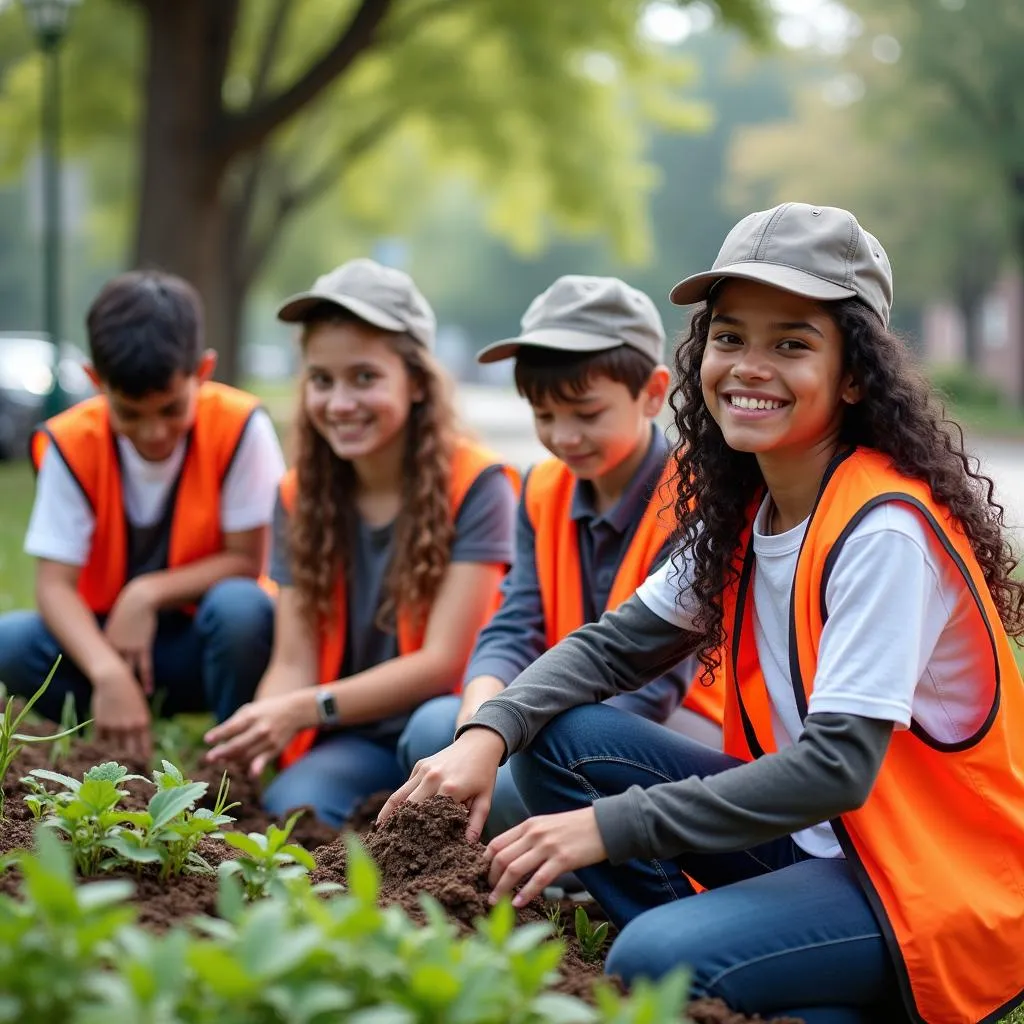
x,y
503,420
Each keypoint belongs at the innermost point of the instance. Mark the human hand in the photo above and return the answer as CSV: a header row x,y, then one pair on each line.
x,y
477,690
256,733
131,628
465,771
120,713
542,848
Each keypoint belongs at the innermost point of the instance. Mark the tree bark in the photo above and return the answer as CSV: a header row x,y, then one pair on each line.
x,y
181,226
189,221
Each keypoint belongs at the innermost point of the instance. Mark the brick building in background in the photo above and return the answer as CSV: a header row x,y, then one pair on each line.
x,y
1000,337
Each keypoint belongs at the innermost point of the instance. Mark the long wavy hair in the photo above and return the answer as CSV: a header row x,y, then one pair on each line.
x,y
899,414
324,521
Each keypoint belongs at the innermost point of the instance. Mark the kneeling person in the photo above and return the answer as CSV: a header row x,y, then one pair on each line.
x,y
590,526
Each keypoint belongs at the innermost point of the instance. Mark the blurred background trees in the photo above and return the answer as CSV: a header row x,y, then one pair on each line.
x,y
489,145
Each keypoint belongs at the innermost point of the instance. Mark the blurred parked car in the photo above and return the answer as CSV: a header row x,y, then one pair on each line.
x,y
26,378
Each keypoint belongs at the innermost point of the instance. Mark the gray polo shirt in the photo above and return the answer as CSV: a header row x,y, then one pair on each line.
x,y
484,529
516,636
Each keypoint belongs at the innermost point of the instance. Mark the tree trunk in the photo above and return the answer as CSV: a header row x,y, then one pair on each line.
x,y
969,302
181,226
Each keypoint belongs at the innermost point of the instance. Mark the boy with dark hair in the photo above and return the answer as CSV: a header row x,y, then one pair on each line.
x,y
150,524
590,527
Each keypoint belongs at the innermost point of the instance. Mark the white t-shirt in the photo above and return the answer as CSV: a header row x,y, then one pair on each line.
x,y
62,523
903,641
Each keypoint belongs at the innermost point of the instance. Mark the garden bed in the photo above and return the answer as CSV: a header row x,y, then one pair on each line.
x,y
420,850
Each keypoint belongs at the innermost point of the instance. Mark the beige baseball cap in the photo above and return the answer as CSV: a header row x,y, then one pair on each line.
x,y
382,296
586,314
819,252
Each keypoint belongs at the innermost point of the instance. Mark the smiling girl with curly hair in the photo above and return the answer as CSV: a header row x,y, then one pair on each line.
x,y
844,567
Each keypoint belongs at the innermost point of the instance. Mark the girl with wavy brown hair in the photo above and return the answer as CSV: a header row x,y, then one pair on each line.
x,y
844,568
392,534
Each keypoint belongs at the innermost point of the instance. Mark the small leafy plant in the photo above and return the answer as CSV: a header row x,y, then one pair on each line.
x,y
13,742
591,937
267,861
103,835
168,832
553,912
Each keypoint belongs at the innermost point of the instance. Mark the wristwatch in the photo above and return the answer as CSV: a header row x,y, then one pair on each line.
x,y
327,707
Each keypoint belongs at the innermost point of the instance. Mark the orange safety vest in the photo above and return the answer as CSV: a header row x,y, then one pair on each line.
x,y
469,460
549,491
938,847
83,437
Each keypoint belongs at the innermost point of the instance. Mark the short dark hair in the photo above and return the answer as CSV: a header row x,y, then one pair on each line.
x,y
144,327
551,373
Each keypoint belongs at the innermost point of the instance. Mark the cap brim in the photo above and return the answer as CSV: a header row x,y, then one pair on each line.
x,y
559,341
297,308
698,287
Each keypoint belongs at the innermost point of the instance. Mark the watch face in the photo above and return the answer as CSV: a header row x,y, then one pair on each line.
x,y
328,708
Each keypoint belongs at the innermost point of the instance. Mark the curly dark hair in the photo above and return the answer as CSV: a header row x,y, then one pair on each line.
x,y
324,518
899,414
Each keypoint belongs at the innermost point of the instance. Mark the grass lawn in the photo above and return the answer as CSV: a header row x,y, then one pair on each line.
x,y
16,568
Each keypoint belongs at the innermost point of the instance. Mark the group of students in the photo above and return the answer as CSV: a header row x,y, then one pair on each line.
x,y
767,672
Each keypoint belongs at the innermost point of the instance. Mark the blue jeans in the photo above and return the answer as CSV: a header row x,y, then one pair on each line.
x,y
432,727
341,771
210,662
778,932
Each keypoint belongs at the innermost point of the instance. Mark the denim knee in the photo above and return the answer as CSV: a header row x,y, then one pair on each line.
x,y
430,728
640,951
239,609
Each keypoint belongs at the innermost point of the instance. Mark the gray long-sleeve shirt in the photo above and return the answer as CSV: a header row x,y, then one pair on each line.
x,y
830,771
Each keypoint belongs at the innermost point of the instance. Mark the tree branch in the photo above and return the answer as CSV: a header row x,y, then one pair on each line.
x,y
244,131
290,198
241,211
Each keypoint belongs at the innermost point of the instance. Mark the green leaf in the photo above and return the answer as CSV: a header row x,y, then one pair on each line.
x,y
131,851
96,895
361,872
169,803
50,737
556,1008
63,780
389,1014
230,899
299,854
249,844
528,937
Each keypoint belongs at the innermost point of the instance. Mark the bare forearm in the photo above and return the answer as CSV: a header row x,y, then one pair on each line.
x,y
75,628
394,686
170,588
281,678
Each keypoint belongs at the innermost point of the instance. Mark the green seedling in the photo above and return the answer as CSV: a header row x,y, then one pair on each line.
x,y
13,742
68,726
104,836
553,912
267,861
591,937
168,832
86,811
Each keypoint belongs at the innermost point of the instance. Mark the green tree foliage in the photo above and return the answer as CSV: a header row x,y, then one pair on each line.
x,y
919,127
221,120
484,286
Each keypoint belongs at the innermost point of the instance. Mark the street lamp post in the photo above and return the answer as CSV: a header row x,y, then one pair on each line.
x,y
49,21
